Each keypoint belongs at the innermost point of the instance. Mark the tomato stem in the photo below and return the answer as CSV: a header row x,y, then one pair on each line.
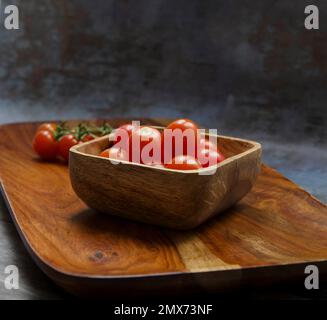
x,y
60,131
82,130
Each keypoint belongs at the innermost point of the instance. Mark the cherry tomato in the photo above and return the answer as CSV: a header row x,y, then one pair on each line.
x,y
105,153
208,145
87,137
209,157
182,125
128,127
183,162
116,136
65,143
51,127
45,145
142,137
118,154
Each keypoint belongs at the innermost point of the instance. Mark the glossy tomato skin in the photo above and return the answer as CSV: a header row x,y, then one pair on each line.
x,y
181,125
115,153
65,143
87,137
51,127
128,128
140,138
183,162
104,154
209,157
205,144
118,154
208,145
45,145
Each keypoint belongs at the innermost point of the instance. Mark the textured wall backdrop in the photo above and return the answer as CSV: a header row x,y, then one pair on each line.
x,y
246,67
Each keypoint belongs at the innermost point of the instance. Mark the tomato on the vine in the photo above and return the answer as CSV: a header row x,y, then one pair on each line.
x,y
45,145
65,143
88,137
52,140
51,127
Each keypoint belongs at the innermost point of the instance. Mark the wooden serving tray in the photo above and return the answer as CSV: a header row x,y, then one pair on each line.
x,y
269,236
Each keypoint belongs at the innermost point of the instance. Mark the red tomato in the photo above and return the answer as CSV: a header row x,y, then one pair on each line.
x,y
118,154
51,127
127,127
180,125
65,143
210,157
87,137
141,148
105,153
208,145
183,124
183,163
45,145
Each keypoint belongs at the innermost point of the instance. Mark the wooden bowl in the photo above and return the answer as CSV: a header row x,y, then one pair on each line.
x,y
170,198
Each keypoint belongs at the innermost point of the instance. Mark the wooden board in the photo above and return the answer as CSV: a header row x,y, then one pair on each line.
x,y
269,236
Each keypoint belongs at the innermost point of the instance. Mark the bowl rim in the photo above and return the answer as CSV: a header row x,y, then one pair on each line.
x,y
255,146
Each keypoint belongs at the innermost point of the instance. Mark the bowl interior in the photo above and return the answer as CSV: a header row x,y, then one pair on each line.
x,y
229,146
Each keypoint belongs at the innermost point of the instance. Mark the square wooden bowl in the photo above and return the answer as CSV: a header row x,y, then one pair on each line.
x,y
169,198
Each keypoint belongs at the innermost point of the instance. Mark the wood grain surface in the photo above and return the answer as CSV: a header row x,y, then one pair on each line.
x,y
176,199
269,236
